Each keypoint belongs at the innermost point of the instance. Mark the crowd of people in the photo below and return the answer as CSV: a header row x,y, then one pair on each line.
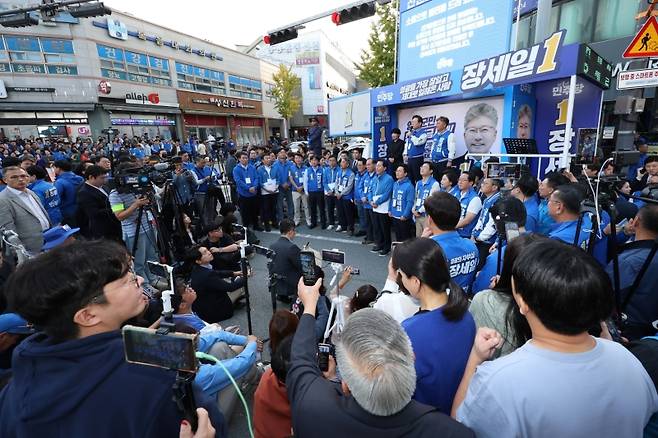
x,y
506,310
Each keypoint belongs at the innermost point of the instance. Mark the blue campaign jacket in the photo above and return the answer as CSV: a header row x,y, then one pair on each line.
x,y
402,199
484,218
67,185
343,179
545,222
532,215
282,172
245,178
381,188
464,200
329,177
263,176
358,186
49,197
440,146
314,179
200,174
368,179
566,232
488,271
422,191
70,388
462,256
420,137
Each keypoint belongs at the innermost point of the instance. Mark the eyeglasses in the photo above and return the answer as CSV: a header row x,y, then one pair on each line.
x,y
485,130
554,201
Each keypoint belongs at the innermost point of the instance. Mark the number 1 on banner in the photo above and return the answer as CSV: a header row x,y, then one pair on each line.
x,y
551,45
563,108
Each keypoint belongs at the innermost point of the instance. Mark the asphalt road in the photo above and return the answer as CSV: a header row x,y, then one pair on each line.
x,y
371,265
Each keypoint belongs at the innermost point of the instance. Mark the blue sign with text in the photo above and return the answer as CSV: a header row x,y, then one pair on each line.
x,y
444,35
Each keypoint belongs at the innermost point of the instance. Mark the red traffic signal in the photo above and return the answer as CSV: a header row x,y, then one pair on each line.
x,y
354,13
335,18
267,39
280,36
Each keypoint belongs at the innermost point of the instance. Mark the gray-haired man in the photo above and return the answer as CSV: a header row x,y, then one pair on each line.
x,y
376,363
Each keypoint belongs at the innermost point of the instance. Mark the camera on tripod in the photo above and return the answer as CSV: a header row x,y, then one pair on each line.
x,y
135,180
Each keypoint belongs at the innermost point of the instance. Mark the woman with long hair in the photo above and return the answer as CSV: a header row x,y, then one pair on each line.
x,y
442,331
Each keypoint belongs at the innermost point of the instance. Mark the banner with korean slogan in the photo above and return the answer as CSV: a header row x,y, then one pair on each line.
x,y
477,124
552,104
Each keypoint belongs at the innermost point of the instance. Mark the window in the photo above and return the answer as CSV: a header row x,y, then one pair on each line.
x,y
577,18
132,66
244,87
33,55
191,77
615,19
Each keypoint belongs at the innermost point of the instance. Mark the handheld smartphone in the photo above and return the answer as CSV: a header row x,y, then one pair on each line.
x,y
323,356
307,259
173,351
356,271
511,231
158,269
333,256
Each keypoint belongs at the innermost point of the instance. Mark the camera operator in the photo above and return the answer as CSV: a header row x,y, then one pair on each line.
x,y
185,185
95,216
574,385
203,175
72,377
126,207
371,403
286,262
642,309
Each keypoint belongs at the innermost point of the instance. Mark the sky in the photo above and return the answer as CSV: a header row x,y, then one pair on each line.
x,y
228,23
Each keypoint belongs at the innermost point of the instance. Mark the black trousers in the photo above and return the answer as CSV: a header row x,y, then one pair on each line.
x,y
330,202
345,213
268,208
316,204
370,228
403,230
249,210
483,249
382,231
414,168
438,169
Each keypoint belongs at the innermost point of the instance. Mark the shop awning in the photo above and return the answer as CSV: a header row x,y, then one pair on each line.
x,y
46,106
141,109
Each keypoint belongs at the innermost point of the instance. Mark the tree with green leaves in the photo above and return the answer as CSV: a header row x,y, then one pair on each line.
x,y
284,94
378,62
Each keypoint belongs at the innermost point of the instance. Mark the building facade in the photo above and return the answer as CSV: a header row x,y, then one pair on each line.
x,y
121,72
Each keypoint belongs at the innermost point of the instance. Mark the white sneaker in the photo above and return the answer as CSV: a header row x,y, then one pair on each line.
x,y
308,224
339,229
330,227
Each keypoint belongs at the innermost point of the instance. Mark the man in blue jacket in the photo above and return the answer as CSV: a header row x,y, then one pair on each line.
x,y
359,178
380,197
329,183
345,197
269,191
73,376
642,308
315,137
525,191
470,202
484,232
46,192
402,201
368,177
282,169
246,181
67,184
443,212
414,151
314,191
424,188
564,208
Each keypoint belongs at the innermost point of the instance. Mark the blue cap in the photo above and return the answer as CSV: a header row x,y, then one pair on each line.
x,y
57,235
640,141
12,323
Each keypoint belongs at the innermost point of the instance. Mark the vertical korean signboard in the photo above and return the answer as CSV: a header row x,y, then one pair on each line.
x,y
443,35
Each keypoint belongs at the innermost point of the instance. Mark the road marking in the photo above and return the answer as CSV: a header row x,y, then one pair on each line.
x,y
328,239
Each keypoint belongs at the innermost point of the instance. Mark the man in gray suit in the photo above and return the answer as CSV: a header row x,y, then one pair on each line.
x,y
21,211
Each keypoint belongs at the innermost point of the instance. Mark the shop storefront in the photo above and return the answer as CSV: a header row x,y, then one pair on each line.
x,y
227,117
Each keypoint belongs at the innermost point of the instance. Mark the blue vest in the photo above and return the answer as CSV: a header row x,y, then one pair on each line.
x,y
416,151
440,146
464,200
484,216
402,199
200,174
297,174
342,179
462,256
314,179
49,197
368,178
329,177
422,192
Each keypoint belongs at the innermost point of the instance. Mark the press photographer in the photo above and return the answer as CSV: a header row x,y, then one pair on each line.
x,y
72,376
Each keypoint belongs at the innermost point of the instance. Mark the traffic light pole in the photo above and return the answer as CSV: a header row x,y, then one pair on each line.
x,y
43,6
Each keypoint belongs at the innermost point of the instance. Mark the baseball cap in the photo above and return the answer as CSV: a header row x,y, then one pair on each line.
x,y
14,324
57,235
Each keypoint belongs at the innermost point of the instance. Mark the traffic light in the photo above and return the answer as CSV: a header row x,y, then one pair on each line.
x,y
354,13
95,9
19,20
280,36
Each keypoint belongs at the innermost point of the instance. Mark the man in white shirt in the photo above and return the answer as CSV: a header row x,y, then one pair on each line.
x,y
21,211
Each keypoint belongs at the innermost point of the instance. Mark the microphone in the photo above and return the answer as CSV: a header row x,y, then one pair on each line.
x,y
161,167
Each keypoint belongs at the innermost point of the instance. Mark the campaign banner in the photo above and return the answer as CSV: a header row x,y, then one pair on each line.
x,y
477,124
552,105
384,120
441,36
350,115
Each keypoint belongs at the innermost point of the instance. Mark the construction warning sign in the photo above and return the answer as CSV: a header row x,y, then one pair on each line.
x,y
645,43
